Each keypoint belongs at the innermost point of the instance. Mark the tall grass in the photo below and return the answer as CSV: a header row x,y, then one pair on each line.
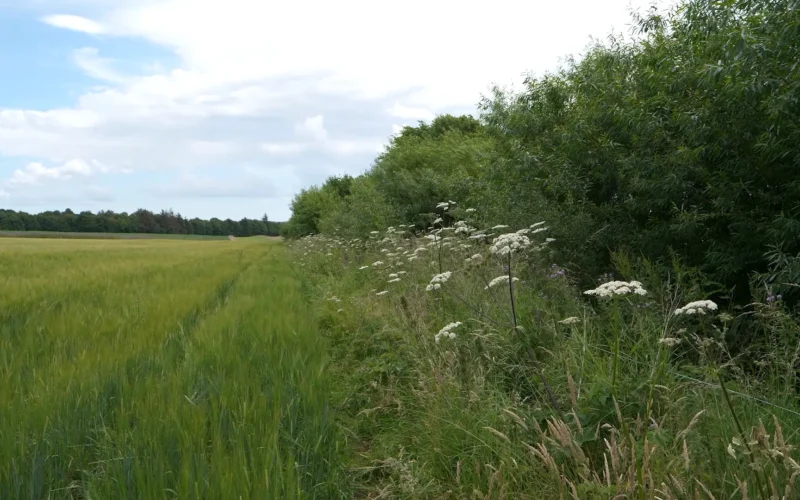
x,y
469,365
160,369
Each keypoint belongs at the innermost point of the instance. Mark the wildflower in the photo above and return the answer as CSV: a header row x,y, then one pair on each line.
x,y
498,281
570,321
697,307
437,220
725,317
373,232
500,226
539,230
475,259
447,331
463,227
556,272
471,210
617,288
773,298
393,275
509,242
399,272
534,226
669,341
377,263
382,293
395,280
436,281
443,205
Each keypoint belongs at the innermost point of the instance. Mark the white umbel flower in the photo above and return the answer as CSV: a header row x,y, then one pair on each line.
x,y
462,227
382,293
395,280
509,243
697,307
447,331
474,260
500,280
436,281
570,321
377,263
614,288
363,267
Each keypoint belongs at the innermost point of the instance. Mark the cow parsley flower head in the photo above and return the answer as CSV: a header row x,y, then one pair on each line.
x,y
363,267
669,341
614,288
499,281
443,205
436,281
570,321
384,292
474,260
697,307
447,331
377,263
462,227
394,280
509,243
471,210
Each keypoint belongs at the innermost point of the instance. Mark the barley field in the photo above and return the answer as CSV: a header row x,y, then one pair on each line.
x,y
160,369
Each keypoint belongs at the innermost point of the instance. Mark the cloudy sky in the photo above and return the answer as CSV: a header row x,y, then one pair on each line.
x,y
228,107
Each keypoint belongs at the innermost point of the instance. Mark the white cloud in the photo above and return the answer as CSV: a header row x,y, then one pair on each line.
x,y
248,70
74,23
35,173
400,111
89,60
313,129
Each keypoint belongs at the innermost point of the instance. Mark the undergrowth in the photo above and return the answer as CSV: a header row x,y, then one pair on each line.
x,y
470,365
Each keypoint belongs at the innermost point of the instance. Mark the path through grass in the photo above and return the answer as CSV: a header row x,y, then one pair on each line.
x,y
160,369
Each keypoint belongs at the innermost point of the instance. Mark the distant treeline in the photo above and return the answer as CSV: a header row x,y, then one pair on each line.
x,y
140,221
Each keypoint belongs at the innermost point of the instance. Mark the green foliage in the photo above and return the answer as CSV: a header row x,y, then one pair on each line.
x,y
681,140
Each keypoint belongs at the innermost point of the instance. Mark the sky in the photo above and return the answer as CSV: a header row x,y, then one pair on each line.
x,y
227,108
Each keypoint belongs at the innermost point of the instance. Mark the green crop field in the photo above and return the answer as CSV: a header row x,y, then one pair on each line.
x,y
106,236
159,369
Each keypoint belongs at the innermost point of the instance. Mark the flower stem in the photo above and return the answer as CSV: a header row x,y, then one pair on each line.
x,y
741,432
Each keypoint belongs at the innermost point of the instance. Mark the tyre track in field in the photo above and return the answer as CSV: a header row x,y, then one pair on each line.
x,y
176,341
